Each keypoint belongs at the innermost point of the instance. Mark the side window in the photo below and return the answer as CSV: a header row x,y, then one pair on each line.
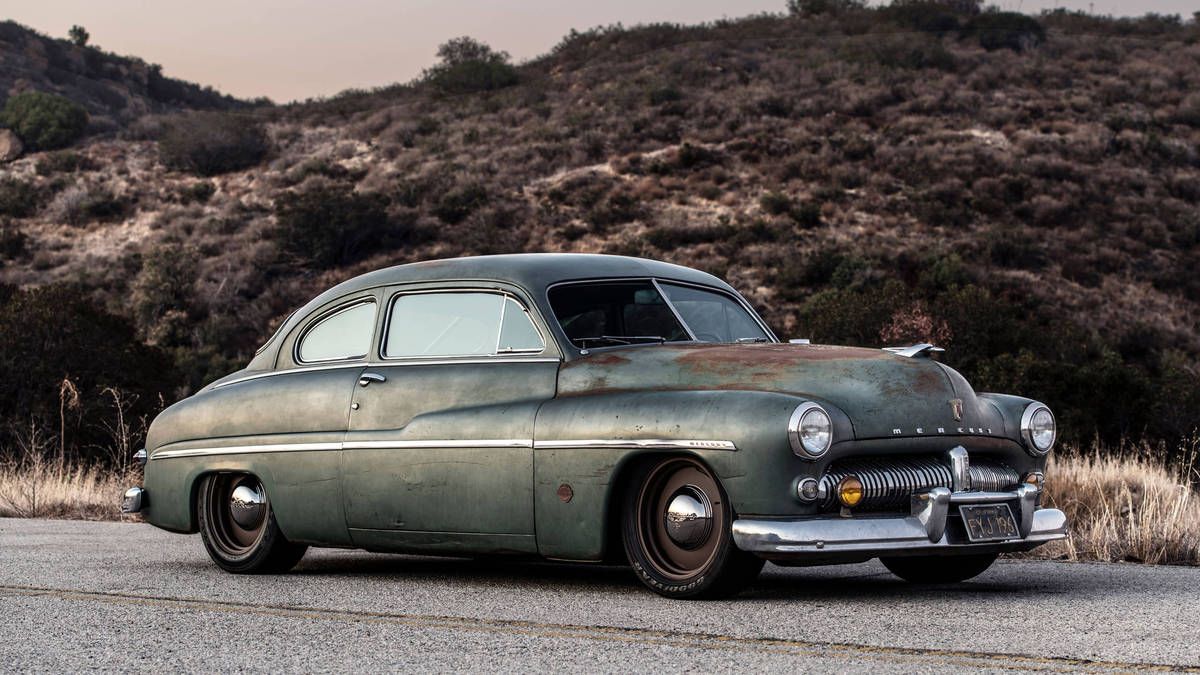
x,y
458,324
345,334
517,332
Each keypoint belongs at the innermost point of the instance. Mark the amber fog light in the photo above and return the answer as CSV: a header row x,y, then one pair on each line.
x,y
850,491
1036,479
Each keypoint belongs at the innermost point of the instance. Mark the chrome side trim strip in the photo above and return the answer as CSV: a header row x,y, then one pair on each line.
x,y
349,445
479,443
501,358
643,443
651,443
245,450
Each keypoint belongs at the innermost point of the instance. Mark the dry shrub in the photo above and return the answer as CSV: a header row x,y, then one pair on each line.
x,y
40,483
55,489
1126,506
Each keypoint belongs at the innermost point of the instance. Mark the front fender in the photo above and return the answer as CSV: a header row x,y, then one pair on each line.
x,y
585,442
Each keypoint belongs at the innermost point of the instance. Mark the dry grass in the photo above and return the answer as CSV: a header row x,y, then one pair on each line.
x,y
1132,506
55,489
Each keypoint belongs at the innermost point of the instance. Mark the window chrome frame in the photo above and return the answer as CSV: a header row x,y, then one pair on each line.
x,y
276,333
655,281
505,295
329,314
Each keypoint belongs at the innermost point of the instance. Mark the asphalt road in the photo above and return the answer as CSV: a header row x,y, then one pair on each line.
x,y
122,596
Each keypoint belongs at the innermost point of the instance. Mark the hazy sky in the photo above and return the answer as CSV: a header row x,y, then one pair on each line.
x,y
303,48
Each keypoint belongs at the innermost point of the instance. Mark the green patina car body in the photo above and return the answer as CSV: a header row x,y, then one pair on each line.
x,y
530,450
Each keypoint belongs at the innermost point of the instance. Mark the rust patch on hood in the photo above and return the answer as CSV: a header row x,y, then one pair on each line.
x,y
758,355
605,359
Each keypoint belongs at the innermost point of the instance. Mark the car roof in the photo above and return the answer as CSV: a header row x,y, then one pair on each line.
x,y
533,272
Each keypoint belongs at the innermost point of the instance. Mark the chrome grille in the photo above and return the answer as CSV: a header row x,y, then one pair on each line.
x,y
890,482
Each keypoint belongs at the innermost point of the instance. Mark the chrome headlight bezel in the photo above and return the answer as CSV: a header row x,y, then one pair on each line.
x,y
800,447
1027,435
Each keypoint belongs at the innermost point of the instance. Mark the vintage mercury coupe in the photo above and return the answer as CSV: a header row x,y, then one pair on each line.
x,y
592,408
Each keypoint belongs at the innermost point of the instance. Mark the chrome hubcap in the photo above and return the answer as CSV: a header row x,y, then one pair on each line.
x,y
247,505
688,519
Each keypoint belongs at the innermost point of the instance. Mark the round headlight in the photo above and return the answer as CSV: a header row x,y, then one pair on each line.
x,y
1038,428
810,431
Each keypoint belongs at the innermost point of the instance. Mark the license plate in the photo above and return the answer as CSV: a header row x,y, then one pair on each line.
x,y
991,522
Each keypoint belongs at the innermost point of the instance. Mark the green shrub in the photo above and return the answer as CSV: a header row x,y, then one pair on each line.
x,y
44,121
330,225
460,202
1006,30
663,95
163,285
671,237
816,7
79,205
807,215
927,16
616,208
195,193
19,198
775,203
208,144
62,161
12,240
916,52
468,65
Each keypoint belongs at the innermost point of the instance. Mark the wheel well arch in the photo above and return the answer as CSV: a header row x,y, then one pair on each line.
x,y
194,492
614,546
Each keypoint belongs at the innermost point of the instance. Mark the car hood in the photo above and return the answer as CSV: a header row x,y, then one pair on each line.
x,y
884,395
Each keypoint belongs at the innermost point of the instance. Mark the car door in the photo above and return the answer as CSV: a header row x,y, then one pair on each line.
x,y
439,453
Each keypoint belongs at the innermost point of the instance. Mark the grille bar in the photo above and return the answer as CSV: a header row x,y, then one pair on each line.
x,y
890,482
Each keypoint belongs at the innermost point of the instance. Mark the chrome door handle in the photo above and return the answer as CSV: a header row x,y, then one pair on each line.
x,y
368,378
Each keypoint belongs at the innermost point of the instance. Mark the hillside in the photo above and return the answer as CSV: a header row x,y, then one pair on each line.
x,y
115,90
1026,197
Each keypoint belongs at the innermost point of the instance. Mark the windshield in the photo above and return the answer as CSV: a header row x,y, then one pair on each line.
x,y
635,312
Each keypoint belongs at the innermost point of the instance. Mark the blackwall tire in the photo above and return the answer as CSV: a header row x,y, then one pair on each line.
x,y
242,538
674,554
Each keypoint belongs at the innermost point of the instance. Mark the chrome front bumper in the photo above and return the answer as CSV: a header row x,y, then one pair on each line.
x,y
926,530
134,500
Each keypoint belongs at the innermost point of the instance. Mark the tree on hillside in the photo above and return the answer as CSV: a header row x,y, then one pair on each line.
x,y
468,65
79,35
815,7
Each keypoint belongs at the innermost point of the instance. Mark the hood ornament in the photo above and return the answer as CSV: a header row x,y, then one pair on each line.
x,y
923,349
956,409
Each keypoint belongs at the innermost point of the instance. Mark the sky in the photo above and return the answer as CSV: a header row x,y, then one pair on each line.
x,y
309,48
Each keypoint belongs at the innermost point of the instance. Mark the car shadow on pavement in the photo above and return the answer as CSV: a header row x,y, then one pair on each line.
x,y
843,582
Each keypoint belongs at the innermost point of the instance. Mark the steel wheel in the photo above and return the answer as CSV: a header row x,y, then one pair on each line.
x,y
239,528
237,508
677,535
679,507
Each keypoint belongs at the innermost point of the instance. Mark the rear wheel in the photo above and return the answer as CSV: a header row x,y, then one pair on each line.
x,y
238,527
676,530
948,569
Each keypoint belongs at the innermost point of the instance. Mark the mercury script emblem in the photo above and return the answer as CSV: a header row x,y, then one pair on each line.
x,y
956,407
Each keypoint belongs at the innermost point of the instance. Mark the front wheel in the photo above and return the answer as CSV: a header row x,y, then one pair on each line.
x,y
239,529
949,569
676,529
